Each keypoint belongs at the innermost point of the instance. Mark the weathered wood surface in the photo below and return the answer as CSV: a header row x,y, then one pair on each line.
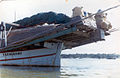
x,y
26,33
70,34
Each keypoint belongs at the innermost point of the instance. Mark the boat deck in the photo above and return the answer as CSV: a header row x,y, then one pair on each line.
x,y
72,34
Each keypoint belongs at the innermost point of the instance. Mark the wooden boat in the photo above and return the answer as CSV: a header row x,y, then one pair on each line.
x,y
42,45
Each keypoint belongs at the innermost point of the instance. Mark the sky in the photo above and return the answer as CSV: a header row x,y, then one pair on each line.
x,y
17,9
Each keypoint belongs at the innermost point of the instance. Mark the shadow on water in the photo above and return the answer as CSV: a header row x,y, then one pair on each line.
x,y
29,72
70,68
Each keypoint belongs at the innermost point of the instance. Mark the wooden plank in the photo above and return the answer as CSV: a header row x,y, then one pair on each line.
x,y
67,31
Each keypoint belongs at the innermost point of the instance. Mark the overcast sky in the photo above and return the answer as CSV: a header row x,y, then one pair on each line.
x,y
24,8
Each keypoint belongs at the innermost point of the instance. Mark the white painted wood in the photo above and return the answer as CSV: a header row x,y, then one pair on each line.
x,y
43,57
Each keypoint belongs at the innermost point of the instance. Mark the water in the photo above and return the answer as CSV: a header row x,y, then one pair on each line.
x,y
71,68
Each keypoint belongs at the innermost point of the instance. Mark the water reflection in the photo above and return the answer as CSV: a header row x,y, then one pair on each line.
x,y
29,72
70,68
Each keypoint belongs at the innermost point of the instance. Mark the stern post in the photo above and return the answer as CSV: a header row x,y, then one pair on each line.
x,y
57,59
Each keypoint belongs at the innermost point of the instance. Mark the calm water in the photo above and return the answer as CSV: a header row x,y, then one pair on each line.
x,y
71,68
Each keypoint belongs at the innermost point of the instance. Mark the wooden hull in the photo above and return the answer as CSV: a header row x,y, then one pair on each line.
x,y
49,56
